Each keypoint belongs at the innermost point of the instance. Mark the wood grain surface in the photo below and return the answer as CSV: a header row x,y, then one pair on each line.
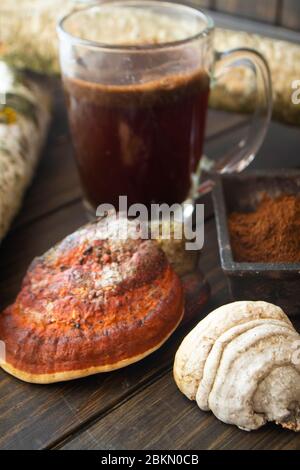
x,y
99,411
275,12
159,418
259,10
290,14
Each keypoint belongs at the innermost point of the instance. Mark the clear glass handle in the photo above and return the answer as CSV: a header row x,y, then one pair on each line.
x,y
243,153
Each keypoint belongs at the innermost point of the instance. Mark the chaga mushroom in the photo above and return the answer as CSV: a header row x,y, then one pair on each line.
x,y
93,303
240,363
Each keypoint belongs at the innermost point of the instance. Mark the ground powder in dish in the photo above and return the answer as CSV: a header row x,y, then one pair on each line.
x,y
269,234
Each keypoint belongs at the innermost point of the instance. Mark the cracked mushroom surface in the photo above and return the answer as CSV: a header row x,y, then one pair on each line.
x,y
95,302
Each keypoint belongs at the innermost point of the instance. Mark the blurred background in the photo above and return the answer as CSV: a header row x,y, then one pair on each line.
x,y
284,13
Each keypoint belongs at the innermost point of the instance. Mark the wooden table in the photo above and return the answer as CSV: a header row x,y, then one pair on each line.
x,y
138,407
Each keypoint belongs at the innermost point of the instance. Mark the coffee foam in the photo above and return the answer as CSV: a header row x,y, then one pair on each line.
x,y
154,92
117,25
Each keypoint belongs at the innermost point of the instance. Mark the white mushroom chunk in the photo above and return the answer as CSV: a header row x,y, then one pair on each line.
x,y
239,363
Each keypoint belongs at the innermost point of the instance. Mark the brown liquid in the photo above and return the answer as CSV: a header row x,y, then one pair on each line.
x,y
143,141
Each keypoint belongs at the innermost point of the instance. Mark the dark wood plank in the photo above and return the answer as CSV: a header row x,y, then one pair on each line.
x,y
290,14
256,9
279,150
34,416
244,24
160,417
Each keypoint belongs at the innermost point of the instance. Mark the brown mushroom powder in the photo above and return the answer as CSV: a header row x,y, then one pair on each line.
x,y
270,234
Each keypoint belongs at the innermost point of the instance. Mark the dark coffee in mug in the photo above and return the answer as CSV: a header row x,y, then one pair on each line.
x,y
142,140
137,79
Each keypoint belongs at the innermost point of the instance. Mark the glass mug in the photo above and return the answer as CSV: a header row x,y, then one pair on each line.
x,y
137,76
